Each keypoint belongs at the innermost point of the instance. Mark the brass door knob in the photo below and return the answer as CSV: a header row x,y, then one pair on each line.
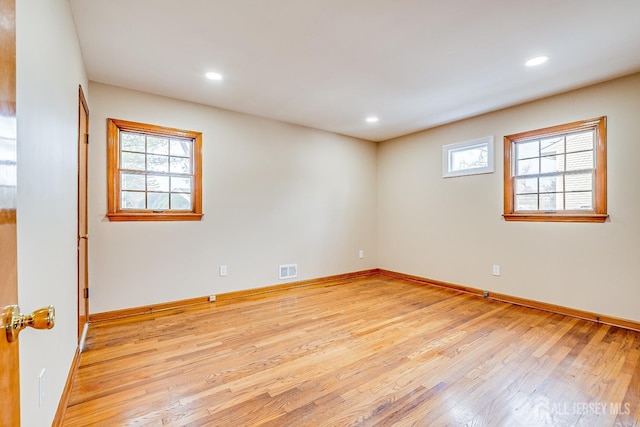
x,y
14,321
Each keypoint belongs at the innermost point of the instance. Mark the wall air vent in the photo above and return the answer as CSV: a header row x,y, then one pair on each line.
x,y
288,271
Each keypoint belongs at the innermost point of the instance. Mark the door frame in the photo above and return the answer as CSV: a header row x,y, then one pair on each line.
x,y
83,223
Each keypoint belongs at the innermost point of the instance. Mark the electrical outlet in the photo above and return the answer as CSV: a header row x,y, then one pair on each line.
x,y
496,270
361,253
223,270
41,389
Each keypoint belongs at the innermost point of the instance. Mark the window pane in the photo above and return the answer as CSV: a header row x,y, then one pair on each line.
x,y
527,202
525,150
469,158
526,185
158,183
132,161
579,182
551,202
158,201
551,184
527,167
149,168
181,201
158,163
580,141
580,201
180,148
131,200
180,185
132,181
552,164
567,184
157,145
552,145
180,165
132,142
578,161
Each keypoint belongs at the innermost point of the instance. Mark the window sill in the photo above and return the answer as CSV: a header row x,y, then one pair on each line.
x,y
569,217
144,216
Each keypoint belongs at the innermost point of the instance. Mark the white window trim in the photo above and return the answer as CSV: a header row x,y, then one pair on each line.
x,y
448,149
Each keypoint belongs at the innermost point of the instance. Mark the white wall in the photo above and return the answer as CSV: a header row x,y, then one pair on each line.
x,y
49,70
452,229
273,193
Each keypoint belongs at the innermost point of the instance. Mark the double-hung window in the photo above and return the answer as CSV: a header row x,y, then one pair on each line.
x,y
154,173
557,173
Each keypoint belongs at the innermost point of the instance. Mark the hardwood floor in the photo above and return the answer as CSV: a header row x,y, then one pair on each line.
x,y
372,351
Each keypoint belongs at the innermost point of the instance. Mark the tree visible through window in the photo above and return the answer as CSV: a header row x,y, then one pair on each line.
x,y
468,158
557,173
154,173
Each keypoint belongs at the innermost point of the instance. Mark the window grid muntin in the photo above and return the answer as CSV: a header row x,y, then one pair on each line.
x,y
592,171
146,172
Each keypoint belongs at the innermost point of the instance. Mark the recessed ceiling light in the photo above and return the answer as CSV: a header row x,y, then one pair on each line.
x,y
536,61
214,76
372,119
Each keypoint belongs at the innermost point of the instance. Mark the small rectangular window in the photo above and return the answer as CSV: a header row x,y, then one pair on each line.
x,y
557,173
154,172
468,157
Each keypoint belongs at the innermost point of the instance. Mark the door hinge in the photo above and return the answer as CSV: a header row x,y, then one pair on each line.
x,y
86,138
86,293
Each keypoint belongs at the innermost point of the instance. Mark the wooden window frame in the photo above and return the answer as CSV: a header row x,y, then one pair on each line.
x,y
599,211
114,211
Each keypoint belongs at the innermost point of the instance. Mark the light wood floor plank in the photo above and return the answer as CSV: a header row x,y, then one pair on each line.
x,y
372,351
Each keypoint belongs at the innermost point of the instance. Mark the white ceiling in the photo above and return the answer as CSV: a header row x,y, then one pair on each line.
x,y
328,64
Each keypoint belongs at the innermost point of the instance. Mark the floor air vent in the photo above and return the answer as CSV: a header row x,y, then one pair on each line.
x,y
288,271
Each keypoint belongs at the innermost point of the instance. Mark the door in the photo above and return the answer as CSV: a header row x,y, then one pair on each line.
x,y
83,226
10,374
